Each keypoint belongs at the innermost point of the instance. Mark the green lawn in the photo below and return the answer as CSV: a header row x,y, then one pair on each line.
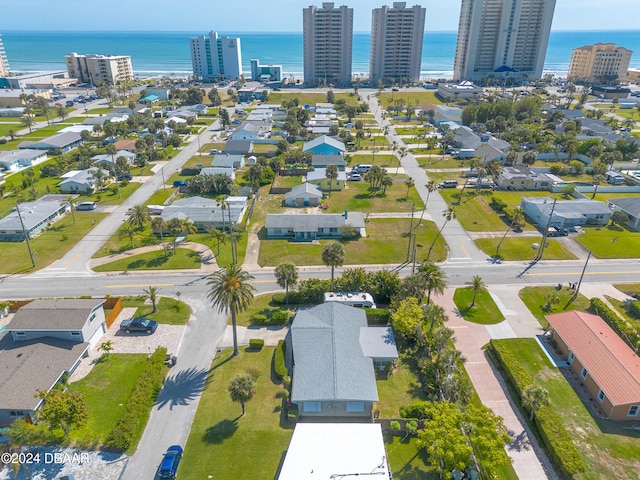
x,y
520,248
357,198
485,311
406,461
310,98
225,445
611,242
169,310
435,160
183,259
386,98
112,378
159,197
609,449
287,181
382,159
100,111
386,243
534,299
631,289
401,387
260,304
50,245
623,310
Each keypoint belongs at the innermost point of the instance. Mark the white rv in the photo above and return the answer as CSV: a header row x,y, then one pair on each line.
x,y
355,299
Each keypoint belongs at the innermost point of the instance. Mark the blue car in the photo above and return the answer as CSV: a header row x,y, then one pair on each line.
x,y
170,461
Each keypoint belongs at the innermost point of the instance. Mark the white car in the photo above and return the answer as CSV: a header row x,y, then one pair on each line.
x,y
355,177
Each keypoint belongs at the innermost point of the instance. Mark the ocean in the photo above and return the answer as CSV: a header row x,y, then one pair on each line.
x,y
167,53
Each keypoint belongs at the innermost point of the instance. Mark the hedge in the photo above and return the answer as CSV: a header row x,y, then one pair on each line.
x,y
377,316
624,330
139,402
256,344
279,366
634,309
560,447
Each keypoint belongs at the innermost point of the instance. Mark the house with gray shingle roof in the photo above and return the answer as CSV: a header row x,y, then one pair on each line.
x,y
304,195
206,213
332,362
308,227
630,206
61,141
36,216
566,213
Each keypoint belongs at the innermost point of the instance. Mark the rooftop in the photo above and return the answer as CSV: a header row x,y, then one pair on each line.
x,y
53,314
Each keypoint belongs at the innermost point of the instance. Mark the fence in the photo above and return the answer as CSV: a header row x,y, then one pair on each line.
x,y
115,304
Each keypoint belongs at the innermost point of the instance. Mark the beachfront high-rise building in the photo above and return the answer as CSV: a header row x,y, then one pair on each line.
x,y
328,44
265,73
599,63
4,64
397,34
504,40
98,69
215,57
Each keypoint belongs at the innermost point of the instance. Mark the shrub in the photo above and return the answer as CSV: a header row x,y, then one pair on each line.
x,y
411,427
394,425
626,332
256,344
279,366
278,298
498,204
634,309
378,316
258,319
3,141
280,317
310,291
253,372
189,171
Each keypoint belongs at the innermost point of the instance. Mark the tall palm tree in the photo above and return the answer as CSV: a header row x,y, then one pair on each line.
x,y
152,294
217,236
517,219
410,184
477,285
188,227
174,226
433,277
71,199
129,230
111,149
535,397
231,292
333,255
138,216
449,214
159,225
286,276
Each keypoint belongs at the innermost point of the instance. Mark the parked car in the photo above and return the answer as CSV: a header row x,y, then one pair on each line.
x,y
180,183
69,104
355,177
124,176
85,206
449,184
139,324
169,465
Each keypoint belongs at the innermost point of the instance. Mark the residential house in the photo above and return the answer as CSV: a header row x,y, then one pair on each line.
x,y
319,177
464,137
206,213
238,147
333,376
489,153
519,177
228,171
309,227
630,206
228,161
323,161
566,213
63,142
319,450
324,145
127,145
79,181
607,366
13,160
32,217
109,161
303,195
14,112
454,91
45,340
161,93
248,131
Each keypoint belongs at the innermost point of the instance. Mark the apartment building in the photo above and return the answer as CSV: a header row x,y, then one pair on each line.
x,y
98,69
265,73
396,43
599,63
502,40
328,44
216,57
4,64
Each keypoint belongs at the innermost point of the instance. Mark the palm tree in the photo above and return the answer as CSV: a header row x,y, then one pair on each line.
x,y
188,227
138,216
128,230
432,313
433,278
159,225
517,218
333,255
152,294
111,149
106,347
230,291
286,276
242,389
410,184
477,285
217,236
174,226
99,175
72,204
535,397
449,214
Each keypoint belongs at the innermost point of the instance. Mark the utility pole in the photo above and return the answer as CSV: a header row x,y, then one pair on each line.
x,y
410,233
545,234
26,236
577,290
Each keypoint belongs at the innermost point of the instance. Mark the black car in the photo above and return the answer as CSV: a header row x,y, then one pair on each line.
x,y
139,324
124,176
170,461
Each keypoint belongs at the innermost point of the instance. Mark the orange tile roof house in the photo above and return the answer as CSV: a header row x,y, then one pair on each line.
x,y
609,368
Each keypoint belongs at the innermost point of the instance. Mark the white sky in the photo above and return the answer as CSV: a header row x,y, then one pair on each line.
x,y
271,15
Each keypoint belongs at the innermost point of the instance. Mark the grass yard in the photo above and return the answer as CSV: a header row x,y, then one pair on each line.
x,y
435,161
381,159
287,181
611,242
485,311
357,198
401,387
112,378
386,243
535,300
386,98
169,310
608,449
109,196
631,289
260,304
520,248
159,197
406,461
225,445
100,111
182,259
311,98
623,310
51,245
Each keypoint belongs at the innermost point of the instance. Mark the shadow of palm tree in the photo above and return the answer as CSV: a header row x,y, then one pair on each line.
x,y
221,431
182,388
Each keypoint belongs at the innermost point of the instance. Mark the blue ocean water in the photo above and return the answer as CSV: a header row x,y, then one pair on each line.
x,y
167,53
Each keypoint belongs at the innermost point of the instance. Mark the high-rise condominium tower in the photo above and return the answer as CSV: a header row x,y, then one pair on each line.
x,y
396,43
4,64
601,62
98,69
502,39
214,57
328,38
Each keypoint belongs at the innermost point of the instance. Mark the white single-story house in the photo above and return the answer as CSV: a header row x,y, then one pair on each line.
x,y
309,227
107,160
630,206
303,195
566,213
82,181
64,142
206,213
226,160
238,147
36,216
228,171
16,159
